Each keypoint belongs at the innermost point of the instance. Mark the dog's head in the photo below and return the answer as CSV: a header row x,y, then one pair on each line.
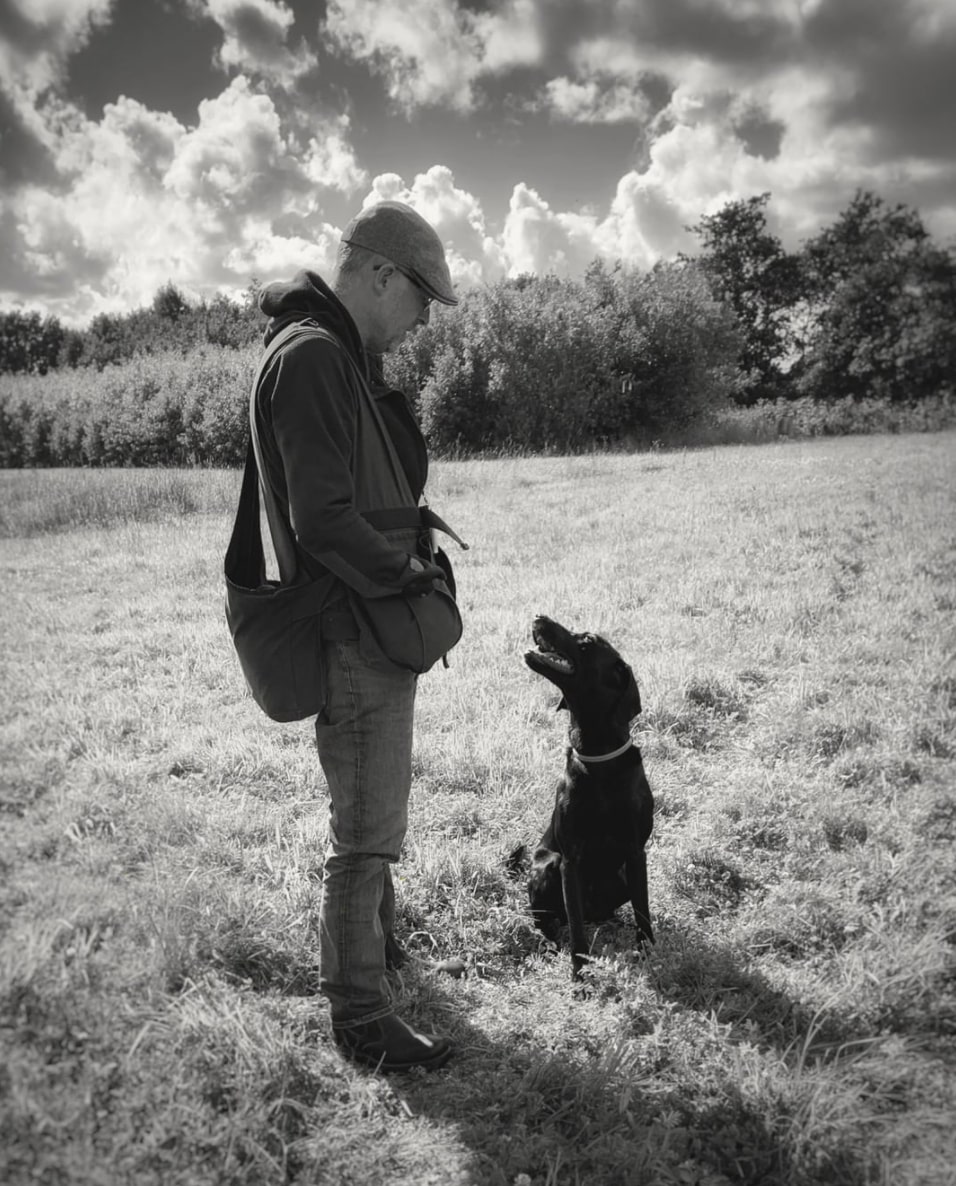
x,y
588,671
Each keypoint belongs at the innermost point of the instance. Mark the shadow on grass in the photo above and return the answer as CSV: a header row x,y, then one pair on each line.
x,y
606,1115
707,976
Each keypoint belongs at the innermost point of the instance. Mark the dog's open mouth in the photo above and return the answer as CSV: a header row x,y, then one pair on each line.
x,y
547,655
553,659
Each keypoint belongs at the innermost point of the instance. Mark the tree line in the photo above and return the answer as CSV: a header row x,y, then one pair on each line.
x,y
866,308
863,311
31,344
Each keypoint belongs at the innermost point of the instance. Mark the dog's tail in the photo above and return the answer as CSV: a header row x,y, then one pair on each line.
x,y
517,861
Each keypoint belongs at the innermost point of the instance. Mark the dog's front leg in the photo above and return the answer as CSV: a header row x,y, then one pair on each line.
x,y
571,885
635,870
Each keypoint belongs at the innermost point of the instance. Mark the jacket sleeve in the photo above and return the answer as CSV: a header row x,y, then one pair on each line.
x,y
312,398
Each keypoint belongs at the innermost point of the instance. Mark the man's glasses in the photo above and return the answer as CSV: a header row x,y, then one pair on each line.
x,y
425,298
421,292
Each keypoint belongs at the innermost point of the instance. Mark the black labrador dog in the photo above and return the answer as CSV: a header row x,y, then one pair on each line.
x,y
591,858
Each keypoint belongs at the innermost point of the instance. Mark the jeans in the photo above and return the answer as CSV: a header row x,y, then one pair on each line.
x,y
364,739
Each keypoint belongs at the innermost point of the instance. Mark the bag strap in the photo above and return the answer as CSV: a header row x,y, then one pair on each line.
x,y
282,541
389,518
398,470
245,560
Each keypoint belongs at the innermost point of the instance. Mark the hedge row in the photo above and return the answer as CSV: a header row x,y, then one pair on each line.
x,y
158,409
525,364
522,366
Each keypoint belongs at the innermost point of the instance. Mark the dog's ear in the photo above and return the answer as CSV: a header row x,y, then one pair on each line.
x,y
562,703
632,697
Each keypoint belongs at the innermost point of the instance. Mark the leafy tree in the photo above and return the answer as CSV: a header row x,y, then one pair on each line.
x,y
675,345
748,268
29,343
169,304
540,361
883,301
225,323
106,341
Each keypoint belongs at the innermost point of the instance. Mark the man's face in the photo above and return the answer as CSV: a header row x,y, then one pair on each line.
x,y
404,306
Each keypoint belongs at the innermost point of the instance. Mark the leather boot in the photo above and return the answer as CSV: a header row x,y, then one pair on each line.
x,y
388,1044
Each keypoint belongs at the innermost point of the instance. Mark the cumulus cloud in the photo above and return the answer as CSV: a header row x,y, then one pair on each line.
x,y
538,239
255,34
809,101
233,154
474,255
432,52
142,199
330,161
264,253
38,36
590,102
511,36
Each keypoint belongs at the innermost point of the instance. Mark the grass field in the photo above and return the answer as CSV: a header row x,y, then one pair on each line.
x,y
789,612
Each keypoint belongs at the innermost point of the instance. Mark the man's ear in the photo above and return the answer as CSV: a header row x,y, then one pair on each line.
x,y
381,275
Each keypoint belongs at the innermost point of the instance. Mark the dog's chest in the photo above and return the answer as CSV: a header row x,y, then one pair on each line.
x,y
596,821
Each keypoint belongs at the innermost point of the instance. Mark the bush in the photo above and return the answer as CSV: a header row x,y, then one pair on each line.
x,y
159,409
801,418
677,347
540,362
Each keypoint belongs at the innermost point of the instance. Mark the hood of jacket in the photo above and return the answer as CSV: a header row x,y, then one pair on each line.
x,y
307,297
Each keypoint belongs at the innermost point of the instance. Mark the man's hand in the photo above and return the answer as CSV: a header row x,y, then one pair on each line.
x,y
419,578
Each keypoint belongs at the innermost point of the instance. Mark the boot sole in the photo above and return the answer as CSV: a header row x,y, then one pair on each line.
x,y
385,1067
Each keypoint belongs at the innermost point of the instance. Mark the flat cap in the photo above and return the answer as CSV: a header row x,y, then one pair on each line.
x,y
401,234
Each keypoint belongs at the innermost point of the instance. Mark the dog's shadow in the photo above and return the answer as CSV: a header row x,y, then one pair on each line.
x,y
695,972
540,1100
716,979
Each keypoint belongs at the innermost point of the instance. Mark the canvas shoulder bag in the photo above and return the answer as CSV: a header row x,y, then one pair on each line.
x,y
274,625
410,632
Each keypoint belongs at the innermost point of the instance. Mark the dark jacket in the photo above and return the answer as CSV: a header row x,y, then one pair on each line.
x,y
326,456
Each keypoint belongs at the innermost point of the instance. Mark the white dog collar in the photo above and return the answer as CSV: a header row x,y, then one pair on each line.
x,y
586,758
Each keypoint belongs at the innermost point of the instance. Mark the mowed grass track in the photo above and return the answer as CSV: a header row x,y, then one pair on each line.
x,y
789,612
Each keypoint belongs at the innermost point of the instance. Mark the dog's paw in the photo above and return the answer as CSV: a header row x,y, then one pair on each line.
x,y
582,989
454,967
517,861
580,968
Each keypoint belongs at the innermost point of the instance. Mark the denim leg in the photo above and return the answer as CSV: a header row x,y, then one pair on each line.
x,y
386,911
364,739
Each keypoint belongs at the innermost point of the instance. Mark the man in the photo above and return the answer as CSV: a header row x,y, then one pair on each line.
x,y
326,465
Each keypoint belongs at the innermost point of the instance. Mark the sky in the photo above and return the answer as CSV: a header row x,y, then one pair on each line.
x,y
206,142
